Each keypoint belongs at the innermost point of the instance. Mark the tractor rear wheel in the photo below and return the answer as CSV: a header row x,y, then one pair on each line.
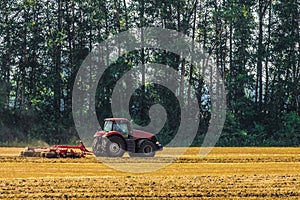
x,y
115,147
147,149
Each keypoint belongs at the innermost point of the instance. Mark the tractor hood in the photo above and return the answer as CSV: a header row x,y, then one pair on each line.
x,y
142,134
137,134
106,134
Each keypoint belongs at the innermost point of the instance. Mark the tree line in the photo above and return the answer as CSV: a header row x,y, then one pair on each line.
x,y
255,45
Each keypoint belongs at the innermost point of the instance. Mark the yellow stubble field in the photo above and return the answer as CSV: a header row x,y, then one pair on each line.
x,y
225,173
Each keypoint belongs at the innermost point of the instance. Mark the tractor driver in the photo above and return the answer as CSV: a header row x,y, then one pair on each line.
x,y
120,128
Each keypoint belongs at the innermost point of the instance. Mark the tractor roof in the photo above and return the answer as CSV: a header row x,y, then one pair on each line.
x,y
116,119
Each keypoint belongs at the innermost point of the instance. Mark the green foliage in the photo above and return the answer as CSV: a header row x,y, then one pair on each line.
x,y
255,46
289,131
232,134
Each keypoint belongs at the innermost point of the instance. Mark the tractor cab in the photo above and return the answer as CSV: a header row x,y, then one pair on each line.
x,y
123,126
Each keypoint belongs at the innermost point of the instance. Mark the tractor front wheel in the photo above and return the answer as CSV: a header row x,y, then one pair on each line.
x,y
97,149
115,146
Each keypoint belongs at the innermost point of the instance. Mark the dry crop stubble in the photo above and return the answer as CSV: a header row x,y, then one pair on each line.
x,y
226,173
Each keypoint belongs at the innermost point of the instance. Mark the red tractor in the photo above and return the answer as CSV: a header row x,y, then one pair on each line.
x,y
118,137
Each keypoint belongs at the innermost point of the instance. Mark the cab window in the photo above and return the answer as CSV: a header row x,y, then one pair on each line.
x,y
108,126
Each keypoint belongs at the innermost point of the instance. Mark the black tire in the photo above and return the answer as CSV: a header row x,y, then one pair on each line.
x,y
147,149
28,154
43,154
62,155
115,147
97,149
51,155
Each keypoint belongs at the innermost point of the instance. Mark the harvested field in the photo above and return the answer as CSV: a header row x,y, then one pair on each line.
x,y
226,173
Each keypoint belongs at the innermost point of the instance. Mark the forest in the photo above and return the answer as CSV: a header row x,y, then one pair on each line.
x,y
254,43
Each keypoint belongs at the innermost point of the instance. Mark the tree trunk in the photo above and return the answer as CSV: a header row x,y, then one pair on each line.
x,y
231,70
193,47
260,54
142,99
24,60
126,15
267,60
57,81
